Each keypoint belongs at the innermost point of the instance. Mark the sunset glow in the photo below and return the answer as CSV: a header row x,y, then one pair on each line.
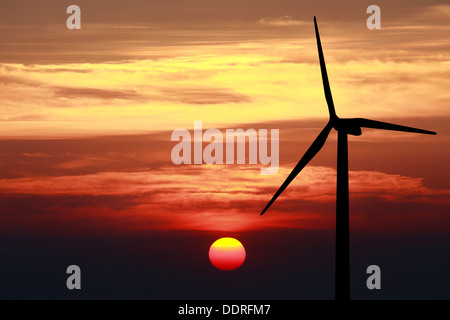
x,y
86,168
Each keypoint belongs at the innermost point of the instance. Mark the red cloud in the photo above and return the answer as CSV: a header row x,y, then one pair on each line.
x,y
215,198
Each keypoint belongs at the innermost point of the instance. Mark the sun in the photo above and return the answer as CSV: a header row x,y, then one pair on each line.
x,y
227,254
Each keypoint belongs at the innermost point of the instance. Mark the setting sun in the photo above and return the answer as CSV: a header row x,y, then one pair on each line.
x,y
227,254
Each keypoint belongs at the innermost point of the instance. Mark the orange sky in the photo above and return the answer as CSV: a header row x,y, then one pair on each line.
x,y
86,115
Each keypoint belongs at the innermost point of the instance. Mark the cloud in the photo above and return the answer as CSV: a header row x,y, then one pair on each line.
x,y
282,21
18,80
36,155
246,74
27,117
92,93
440,11
206,96
161,76
216,198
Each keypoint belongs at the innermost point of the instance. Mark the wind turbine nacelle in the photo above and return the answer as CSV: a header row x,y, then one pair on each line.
x,y
348,126
354,131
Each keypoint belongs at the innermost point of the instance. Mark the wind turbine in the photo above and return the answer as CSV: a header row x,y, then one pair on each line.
x,y
344,127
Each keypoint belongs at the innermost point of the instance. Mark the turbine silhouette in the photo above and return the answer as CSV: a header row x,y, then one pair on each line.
x,y
344,127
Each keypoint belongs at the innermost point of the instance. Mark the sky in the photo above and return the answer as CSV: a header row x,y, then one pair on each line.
x,y
85,144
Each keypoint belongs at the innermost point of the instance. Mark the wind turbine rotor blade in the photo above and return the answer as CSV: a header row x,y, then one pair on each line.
x,y
367,123
323,69
309,154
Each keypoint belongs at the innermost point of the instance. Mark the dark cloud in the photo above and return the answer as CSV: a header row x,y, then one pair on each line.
x,y
75,156
174,206
283,21
28,117
8,80
80,156
36,32
189,95
91,93
204,95
58,70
